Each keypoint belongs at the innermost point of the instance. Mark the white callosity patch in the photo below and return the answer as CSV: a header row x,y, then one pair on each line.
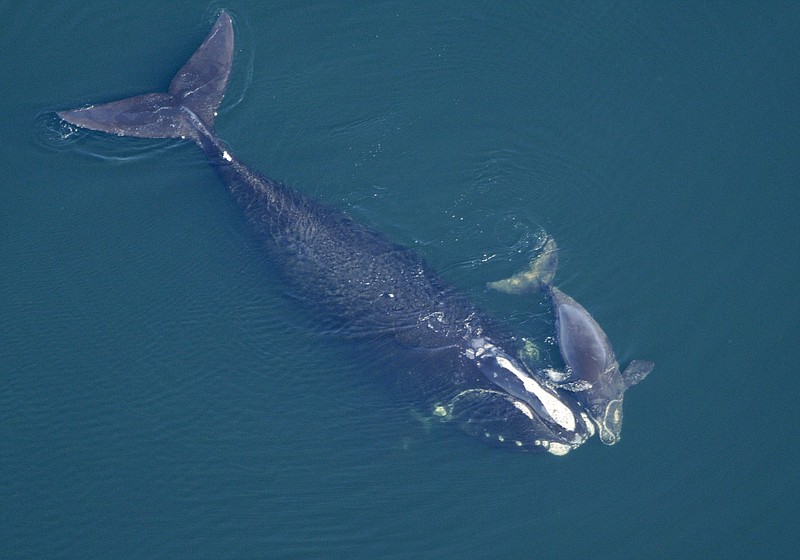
x,y
557,410
554,375
524,408
226,156
557,448
552,447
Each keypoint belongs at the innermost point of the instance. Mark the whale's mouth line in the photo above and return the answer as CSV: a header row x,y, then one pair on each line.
x,y
460,405
549,406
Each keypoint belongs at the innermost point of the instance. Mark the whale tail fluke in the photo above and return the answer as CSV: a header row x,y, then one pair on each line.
x,y
198,86
539,275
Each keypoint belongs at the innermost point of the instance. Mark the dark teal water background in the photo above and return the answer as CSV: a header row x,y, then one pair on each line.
x,y
160,397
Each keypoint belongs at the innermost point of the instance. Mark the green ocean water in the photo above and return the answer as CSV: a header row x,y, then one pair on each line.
x,y
162,397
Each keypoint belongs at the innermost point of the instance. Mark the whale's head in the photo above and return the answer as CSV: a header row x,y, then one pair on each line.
x,y
516,407
503,420
603,402
604,405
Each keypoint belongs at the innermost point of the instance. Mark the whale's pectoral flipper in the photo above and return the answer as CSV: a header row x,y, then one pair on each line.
x,y
196,91
563,380
541,273
636,371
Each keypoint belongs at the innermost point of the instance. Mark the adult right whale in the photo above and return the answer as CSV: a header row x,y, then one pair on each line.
x,y
372,287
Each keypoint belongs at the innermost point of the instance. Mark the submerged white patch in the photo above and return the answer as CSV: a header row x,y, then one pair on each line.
x,y
524,408
226,156
558,448
555,376
589,423
557,410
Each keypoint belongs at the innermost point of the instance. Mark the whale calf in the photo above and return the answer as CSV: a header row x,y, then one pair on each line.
x,y
592,371
353,275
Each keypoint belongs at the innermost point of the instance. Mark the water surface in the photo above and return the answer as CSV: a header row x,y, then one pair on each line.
x,y
161,397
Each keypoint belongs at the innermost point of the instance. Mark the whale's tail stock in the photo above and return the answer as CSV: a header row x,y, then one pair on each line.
x,y
195,93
